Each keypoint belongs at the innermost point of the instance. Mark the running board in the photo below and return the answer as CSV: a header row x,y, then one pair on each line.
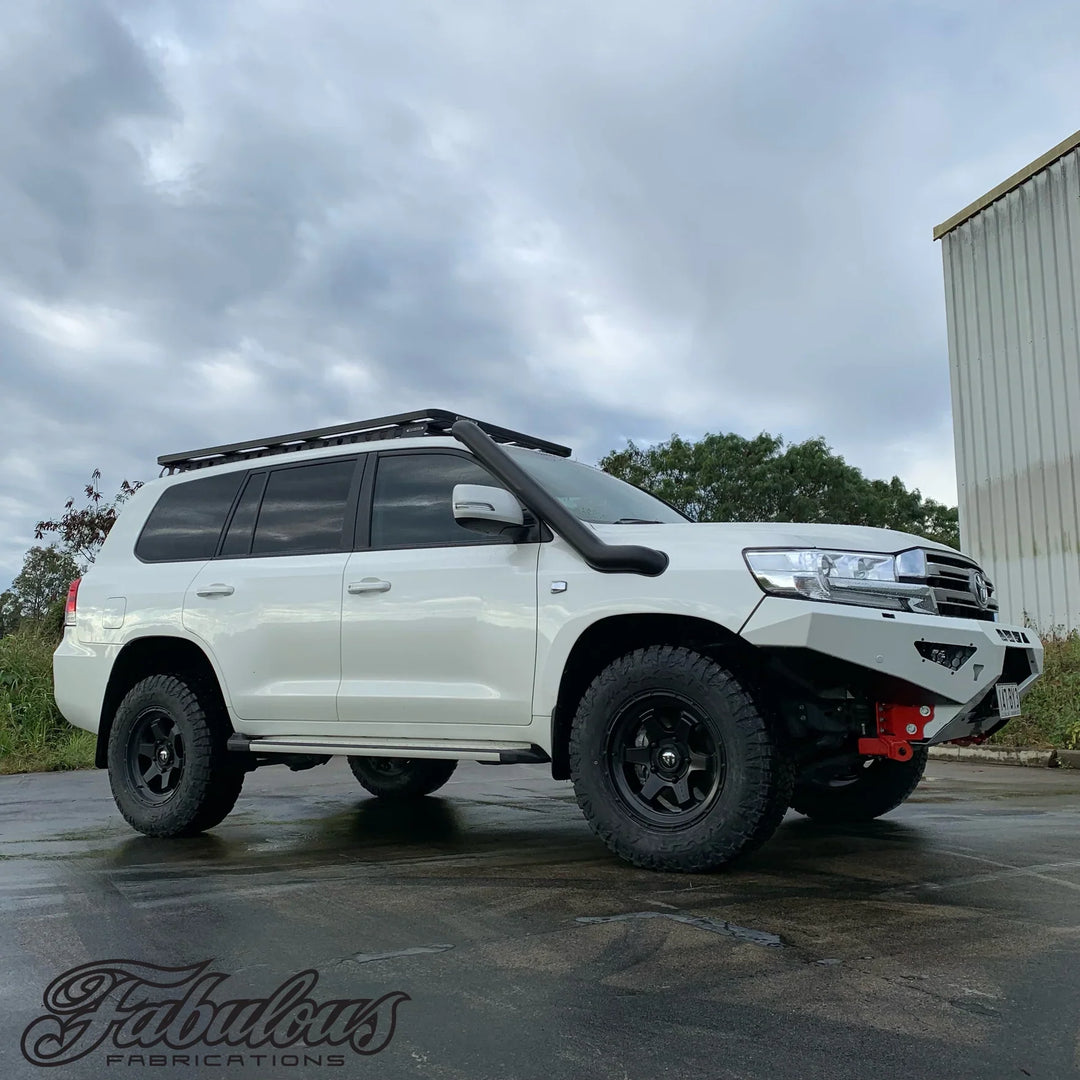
x,y
500,753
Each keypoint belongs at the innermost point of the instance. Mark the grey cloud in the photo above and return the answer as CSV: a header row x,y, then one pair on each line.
x,y
595,221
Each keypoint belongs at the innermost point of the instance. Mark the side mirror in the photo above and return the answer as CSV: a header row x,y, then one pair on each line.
x,y
485,509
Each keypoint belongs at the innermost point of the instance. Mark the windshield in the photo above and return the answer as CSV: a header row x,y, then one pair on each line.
x,y
592,495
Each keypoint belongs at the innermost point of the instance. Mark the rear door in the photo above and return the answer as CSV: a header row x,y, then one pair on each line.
x,y
438,622
269,605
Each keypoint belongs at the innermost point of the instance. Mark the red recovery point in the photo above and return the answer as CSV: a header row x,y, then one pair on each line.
x,y
897,727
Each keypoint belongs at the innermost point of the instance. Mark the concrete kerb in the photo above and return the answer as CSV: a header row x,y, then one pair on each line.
x,y
1000,755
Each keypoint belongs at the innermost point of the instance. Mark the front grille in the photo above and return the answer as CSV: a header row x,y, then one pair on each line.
x,y
953,581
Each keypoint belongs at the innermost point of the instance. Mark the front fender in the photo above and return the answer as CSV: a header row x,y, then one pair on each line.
x,y
724,596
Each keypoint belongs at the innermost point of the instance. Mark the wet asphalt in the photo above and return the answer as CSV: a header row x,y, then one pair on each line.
x,y
940,941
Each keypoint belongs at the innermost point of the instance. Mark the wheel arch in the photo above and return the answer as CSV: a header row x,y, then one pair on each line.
x,y
609,638
152,655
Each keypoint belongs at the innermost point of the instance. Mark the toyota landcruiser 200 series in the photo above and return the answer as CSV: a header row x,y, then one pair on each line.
x,y
417,589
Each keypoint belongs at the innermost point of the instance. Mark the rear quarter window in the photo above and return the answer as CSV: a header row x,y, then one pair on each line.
x,y
187,520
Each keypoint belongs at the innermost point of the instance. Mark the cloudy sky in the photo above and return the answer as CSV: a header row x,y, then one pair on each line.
x,y
596,220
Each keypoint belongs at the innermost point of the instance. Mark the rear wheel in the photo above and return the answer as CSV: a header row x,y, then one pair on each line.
x,y
169,769
401,778
674,765
873,788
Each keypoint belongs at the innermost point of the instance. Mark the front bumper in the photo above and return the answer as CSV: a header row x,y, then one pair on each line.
x,y
880,647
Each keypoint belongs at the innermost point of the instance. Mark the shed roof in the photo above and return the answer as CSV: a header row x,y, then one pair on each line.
x,y
1014,181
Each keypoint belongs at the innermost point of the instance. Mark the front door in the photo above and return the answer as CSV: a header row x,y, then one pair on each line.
x,y
438,622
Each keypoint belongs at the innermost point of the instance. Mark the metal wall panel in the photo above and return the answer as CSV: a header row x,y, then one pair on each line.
x,y
1012,272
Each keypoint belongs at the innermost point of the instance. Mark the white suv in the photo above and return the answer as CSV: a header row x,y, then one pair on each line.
x,y
416,589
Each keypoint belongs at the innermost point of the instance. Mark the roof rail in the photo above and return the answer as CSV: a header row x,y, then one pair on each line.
x,y
398,426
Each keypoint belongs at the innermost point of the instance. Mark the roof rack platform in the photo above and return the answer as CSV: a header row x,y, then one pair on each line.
x,y
398,426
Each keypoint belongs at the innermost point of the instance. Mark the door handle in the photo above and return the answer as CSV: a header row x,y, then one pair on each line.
x,y
216,589
369,584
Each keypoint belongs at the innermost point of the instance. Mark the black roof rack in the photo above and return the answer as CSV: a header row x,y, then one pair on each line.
x,y
398,426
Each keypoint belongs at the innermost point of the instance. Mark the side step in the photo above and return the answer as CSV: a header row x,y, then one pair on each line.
x,y
498,753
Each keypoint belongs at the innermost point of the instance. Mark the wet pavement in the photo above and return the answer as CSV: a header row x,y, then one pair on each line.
x,y
941,941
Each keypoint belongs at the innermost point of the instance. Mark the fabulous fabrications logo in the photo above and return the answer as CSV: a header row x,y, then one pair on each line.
x,y
134,1008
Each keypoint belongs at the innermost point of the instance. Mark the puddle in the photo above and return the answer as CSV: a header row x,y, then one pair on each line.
x,y
415,950
714,926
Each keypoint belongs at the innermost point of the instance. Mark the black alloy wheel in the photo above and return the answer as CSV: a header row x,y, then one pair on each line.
x,y
156,756
666,763
390,768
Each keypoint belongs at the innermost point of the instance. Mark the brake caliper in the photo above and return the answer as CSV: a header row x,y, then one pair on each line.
x,y
898,726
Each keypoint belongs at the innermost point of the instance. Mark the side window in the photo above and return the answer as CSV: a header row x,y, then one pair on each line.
x,y
238,536
303,509
188,518
412,505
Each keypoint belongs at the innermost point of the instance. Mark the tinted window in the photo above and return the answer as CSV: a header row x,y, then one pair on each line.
x,y
188,519
238,537
412,500
303,509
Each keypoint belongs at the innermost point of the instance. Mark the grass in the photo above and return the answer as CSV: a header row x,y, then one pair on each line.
x,y
34,737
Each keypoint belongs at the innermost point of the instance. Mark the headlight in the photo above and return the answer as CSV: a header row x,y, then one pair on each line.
x,y
845,577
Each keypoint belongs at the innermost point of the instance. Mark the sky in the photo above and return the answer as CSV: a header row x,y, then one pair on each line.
x,y
594,221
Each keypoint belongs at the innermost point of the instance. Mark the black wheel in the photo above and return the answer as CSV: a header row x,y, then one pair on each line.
x,y
873,788
401,778
674,765
170,772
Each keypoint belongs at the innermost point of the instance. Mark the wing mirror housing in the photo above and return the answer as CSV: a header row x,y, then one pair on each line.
x,y
484,509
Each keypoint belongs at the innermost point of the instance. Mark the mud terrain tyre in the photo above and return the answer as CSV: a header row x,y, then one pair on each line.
x,y
861,796
401,778
674,765
169,770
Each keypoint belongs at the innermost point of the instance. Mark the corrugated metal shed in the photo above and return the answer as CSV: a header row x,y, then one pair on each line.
x,y
1012,276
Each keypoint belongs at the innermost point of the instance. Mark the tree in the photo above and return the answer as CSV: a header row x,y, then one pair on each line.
x,y
9,613
725,477
83,531
43,580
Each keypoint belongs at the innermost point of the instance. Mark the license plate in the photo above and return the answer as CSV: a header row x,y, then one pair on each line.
x,y
1008,699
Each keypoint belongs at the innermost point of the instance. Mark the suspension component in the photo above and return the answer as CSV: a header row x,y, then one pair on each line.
x,y
898,726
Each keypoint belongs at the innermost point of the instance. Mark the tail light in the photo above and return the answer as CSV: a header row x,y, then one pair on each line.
x,y
72,602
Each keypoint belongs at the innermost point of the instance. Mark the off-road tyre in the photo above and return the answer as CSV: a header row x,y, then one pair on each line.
x,y
738,781
401,778
183,715
868,793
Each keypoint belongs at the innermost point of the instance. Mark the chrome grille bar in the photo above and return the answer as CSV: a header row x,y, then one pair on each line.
x,y
960,587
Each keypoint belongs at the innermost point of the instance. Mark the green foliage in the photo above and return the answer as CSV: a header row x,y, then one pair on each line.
x,y
10,616
33,735
1051,709
43,580
729,478
83,531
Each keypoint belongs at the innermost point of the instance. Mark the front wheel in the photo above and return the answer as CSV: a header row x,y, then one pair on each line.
x,y
169,769
875,787
674,765
401,778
